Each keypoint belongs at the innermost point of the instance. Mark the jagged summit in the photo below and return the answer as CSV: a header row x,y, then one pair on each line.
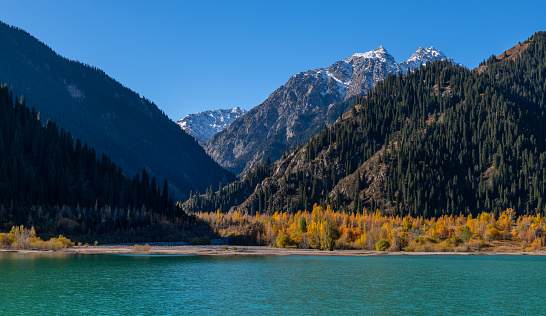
x,y
361,71
422,56
378,53
203,125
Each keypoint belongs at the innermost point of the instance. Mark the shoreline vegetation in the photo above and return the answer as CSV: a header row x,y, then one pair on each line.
x,y
22,238
326,229
316,232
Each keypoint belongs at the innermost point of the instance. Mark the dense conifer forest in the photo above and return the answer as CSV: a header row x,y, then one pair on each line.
x,y
57,184
111,118
438,141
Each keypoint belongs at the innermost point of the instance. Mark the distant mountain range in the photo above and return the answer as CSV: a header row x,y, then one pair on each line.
x,y
204,125
114,120
301,107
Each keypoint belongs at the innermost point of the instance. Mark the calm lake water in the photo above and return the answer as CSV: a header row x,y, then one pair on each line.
x,y
41,284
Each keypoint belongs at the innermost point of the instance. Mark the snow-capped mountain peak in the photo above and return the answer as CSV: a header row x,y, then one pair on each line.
x,y
379,53
203,125
427,53
422,56
361,71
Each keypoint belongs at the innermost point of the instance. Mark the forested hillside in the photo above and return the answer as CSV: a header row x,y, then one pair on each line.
x,y
440,140
111,118
57,184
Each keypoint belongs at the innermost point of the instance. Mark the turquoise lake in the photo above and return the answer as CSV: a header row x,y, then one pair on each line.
x,y
53,284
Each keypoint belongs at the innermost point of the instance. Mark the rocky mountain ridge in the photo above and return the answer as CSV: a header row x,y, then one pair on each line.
x,y
301,107
203,125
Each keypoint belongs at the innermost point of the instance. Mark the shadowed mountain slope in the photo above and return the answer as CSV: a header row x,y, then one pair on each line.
x,y
105,114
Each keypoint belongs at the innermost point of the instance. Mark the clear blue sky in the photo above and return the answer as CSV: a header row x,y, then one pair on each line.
x,y
190,56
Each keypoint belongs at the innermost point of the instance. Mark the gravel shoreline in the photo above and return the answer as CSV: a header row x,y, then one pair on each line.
x,y
216,250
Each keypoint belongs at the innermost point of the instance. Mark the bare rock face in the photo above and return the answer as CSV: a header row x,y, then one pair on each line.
x,y
299,109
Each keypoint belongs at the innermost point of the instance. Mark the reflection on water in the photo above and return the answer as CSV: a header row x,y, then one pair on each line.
x,y
34,255
149,255
65,284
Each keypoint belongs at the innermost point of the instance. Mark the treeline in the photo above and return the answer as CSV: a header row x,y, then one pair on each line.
x,y
58,185
442,140
328,229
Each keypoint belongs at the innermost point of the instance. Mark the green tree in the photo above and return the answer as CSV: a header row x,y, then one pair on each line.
x,y
382,245
303,225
